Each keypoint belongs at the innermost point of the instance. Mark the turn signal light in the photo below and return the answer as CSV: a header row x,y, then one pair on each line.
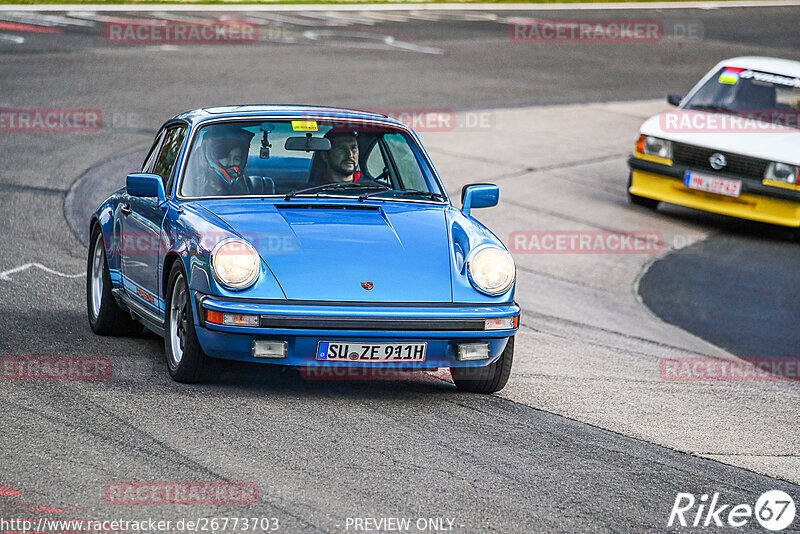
x,y
640,144
239,319
231,319
501,323
213,316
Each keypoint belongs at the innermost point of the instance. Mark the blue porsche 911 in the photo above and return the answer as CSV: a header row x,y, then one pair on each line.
x,y
307,237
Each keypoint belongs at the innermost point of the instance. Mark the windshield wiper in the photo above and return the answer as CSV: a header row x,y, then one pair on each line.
x,y
330,187
404,193
712,107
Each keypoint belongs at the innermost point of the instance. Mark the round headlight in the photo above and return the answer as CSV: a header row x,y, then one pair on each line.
x,y
491,269
235,263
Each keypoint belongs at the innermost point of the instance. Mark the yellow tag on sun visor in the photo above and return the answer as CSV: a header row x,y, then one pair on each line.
x,y
304,126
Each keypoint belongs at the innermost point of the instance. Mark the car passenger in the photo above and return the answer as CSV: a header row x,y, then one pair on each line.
x,y
222,161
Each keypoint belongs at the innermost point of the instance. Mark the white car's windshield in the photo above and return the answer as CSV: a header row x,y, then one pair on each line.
x,y
761,95
305,157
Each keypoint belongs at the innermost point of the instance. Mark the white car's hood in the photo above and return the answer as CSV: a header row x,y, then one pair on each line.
x,y
774,143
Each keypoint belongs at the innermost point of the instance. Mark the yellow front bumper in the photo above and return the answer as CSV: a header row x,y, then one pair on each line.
x,y
746,206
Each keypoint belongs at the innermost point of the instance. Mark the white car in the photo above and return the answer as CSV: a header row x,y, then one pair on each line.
x,y
731,147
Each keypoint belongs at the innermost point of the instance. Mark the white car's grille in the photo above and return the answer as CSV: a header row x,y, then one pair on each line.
x,y
698,157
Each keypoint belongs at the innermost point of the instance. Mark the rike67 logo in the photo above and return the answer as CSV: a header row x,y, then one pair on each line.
x,y
774,510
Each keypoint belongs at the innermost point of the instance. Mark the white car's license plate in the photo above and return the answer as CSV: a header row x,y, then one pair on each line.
x,y
712,184
347,351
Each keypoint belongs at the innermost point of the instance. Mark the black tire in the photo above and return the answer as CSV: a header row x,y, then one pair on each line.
x,y
649,203
488,379
190,367
106,318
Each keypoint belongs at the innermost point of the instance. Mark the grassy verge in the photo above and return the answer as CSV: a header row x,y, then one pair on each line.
x,y
399,3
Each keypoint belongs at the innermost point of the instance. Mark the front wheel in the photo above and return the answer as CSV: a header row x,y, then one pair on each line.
x,y
488,379
185,358
106,318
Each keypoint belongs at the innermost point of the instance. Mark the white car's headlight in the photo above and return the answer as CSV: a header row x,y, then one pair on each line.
x,y
491,269
781,172
235,263
654,146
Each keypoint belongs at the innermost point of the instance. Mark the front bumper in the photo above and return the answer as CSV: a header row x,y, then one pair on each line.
x,y
303,324
757,202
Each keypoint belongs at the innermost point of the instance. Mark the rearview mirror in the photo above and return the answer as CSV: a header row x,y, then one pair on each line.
x,y
478,196
307,143
146,185
674,100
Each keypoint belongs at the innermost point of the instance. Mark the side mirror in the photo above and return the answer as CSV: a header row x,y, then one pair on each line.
x,y
674,100
146,185
478,196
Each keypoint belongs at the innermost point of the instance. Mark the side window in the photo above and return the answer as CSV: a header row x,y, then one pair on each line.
x,y
787,97
374,163
151,156
173,140
407,165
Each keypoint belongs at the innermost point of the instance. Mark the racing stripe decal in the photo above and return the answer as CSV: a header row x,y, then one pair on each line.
x,y
142,294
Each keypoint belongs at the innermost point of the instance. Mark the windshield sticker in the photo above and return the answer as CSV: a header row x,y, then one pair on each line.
x,y
770,78
730,75
304,126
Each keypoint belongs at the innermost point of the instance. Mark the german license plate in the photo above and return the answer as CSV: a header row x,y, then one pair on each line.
x,y
347,351
712,184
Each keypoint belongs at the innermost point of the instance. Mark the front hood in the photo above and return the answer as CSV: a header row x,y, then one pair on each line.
x,y
325,250
716,130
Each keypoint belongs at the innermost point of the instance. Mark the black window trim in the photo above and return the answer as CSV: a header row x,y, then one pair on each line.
x,y
190,139
154,148
171,179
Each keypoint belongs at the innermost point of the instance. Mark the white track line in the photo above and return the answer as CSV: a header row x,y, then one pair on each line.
x,y
90,15
26,18
404,7
44,20
295,21
6,275
164,15
368,40
7,37
334,17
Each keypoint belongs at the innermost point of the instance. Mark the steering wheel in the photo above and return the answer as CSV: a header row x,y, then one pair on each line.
x,y
260,185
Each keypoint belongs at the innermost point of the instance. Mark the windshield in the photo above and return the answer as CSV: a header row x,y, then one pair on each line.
x,y
307,157
760,95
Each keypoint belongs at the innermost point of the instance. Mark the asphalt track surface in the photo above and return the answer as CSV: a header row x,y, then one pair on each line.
x,y
322,452
736,290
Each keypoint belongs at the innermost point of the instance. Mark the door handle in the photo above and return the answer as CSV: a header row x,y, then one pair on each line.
x,y
126,209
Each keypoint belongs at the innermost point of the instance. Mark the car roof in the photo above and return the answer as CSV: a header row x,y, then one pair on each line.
x,y
772,65
250,110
